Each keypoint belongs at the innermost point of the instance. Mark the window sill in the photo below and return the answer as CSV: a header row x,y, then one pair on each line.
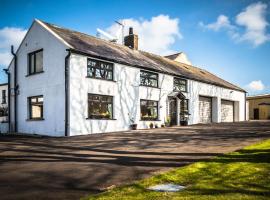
x,y
149,86
149,120
34,73
100,79
37,119
98,119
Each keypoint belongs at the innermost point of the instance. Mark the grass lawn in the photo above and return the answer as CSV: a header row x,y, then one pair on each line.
x,y
244,174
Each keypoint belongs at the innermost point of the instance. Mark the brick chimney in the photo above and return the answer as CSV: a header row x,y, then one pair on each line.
x,y
131,40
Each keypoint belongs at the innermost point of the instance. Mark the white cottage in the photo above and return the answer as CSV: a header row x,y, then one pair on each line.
x,y
65,83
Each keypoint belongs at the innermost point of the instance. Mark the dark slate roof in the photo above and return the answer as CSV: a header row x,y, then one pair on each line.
x,y
100,48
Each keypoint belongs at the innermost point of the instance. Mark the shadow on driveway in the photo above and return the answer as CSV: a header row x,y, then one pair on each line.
x,y
69,168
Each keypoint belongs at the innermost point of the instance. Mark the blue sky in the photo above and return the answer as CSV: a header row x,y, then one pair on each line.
x,y
229,38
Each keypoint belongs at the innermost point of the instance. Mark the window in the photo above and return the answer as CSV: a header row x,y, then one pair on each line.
x,y
35,62
149,110
184,106
179,84
35,107
99,69
149,79
100,106
4,97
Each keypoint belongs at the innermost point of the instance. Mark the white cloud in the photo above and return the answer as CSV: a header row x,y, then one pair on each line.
x,y
156,35
256,85
222,22
252,20
9,36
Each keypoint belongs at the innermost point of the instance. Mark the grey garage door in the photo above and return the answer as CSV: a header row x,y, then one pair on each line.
x,y
227,111
205,109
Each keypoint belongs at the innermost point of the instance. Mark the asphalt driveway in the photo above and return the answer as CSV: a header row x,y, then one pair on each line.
x,y
69,168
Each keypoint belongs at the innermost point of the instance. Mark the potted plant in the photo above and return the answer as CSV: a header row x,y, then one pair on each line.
x,y
156,126
168,121
151,125
133,125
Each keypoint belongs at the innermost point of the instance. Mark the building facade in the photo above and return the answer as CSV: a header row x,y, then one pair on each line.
x,y
67,83
259,107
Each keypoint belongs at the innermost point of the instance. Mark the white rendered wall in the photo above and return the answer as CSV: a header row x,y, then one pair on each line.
x,y
50,84
127,94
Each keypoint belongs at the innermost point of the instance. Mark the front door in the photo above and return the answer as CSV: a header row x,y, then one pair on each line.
x,y
173,111
256,113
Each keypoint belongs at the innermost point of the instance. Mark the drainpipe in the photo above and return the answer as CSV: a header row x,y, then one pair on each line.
x,y
8,75
15,88
67,91
245,106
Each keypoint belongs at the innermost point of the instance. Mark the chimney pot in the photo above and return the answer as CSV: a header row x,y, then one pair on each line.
x,y
130,31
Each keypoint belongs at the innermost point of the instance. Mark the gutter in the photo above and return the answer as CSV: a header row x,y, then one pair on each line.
x,y
8,75
67,59
245,106
15,89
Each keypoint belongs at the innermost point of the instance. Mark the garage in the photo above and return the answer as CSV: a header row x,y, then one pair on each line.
x,y
205,109
227,111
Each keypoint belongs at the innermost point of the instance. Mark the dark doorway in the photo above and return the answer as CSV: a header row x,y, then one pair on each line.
x,y
256,113
172,111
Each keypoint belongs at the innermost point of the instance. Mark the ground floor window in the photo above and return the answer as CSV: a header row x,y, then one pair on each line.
x,y
35,107
184,106
100,106
149,110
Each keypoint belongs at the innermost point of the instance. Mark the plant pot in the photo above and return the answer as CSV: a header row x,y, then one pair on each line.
x,y
183,123
151,125
133,126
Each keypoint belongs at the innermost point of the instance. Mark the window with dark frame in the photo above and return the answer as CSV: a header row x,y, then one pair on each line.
x,y
149,79
149,110
35,107
179,84
99,69
4,97
184,106
35,62
100,106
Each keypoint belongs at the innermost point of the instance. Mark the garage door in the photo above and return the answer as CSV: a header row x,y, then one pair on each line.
x,y
227,112
205,109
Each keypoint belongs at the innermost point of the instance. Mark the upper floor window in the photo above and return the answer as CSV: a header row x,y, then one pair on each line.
x,y
100,106
99,69
35,62
148,78
179,84
35,105
149,110
4,97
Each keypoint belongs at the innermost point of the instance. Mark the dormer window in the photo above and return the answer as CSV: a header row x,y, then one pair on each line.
x,y
149,79
35,62
99,69
179,84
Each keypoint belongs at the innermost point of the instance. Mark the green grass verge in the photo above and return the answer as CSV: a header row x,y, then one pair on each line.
x,y
244,174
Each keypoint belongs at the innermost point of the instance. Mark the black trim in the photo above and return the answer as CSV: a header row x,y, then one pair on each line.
x,y
30,107
16,86
150,119
67,91
150,69
98,62
35,119
153,73
102,95
8,75
29,62
181,79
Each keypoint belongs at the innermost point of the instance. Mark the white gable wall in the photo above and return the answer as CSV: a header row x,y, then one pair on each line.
x,y
127,94
50,83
